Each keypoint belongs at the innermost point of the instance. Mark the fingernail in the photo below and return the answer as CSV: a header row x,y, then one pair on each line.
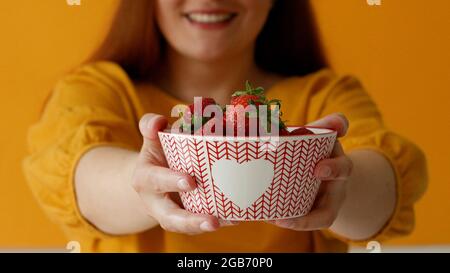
x,y
324,172
283,223
184,184
148,122
224,222
228,222
206,226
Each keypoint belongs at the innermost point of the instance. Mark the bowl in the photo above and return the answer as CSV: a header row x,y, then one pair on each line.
x,y
249,178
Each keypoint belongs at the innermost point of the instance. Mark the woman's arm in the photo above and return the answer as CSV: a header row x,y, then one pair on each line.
x,y
104,174
357,195
370,196
124,192
104,192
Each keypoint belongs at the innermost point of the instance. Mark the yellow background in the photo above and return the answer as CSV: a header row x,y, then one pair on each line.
x,y
400,50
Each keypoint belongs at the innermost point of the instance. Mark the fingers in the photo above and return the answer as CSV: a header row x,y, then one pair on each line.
x,y
159,180
153,182
335,121
151,124
315,220
337,149
225,223
323,215
338,168
174,219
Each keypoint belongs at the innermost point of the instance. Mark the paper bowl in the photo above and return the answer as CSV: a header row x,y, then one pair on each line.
x,y
249,178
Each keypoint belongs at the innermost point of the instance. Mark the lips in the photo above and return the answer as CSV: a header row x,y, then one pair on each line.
x,y
210,17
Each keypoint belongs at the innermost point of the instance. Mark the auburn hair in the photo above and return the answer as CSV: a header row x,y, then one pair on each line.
x,y
287,45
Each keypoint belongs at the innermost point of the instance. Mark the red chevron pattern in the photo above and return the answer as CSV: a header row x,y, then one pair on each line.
x,y
293,188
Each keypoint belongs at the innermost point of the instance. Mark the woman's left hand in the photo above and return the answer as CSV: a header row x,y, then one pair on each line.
x,y
334,173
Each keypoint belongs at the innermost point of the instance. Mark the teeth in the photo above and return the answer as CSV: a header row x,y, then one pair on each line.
x,y
209,18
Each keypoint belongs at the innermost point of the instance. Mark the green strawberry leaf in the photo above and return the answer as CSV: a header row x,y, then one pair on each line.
x,y
248,86
249,90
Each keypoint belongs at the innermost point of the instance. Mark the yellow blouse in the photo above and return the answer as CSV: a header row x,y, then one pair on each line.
x,y
99,105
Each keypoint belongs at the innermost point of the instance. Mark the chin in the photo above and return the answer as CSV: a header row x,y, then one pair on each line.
x,y
209,55
210,51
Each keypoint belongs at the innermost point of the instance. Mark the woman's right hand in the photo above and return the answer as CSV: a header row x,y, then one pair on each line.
x,y
155,182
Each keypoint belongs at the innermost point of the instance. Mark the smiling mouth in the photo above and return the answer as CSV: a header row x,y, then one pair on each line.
x,y
210,18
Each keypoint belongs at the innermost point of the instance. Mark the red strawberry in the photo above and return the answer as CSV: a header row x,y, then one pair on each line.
x,y
233,117
240,100
301,131
191,119
284,132
209,128
246,100
205,102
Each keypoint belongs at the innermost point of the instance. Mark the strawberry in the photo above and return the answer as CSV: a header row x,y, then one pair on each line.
x,y
284,132
301,131
205,102
231,120
246,100
250,96
232,117
209,128
191,118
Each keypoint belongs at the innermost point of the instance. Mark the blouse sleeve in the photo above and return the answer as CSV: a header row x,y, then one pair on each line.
x,y
367,131
88,108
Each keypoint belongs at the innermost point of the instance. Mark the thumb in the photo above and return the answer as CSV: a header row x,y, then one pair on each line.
x,y
149,126
336,121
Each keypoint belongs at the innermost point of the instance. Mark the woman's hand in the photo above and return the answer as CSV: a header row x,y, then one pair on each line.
x,y
155,183
334,173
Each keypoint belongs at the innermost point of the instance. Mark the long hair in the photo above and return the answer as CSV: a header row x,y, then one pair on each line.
x,y
287,45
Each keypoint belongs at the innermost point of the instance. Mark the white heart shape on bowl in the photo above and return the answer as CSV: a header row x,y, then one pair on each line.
x,y
242,183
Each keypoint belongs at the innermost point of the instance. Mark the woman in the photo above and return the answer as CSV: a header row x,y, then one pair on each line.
x,y
97,166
